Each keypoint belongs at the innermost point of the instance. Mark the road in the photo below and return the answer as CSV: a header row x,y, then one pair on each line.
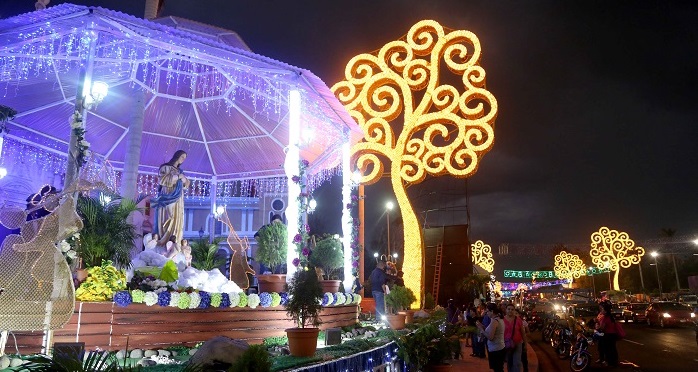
x,y
644,349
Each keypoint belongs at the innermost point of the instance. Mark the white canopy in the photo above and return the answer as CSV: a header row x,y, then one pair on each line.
x,y
206,93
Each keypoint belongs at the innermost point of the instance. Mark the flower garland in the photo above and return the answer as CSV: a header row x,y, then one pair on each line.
x,y
83,146
301,238
205,300
356,248
68,247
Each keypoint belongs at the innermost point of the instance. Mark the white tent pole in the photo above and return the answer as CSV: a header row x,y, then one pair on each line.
x,y
84,85
214,200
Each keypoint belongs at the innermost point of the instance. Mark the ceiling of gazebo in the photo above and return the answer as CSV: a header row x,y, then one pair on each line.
x,y
205,93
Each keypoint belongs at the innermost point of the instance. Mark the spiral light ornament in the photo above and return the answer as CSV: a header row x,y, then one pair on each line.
x,y
482,255
415,124
569,266
612,249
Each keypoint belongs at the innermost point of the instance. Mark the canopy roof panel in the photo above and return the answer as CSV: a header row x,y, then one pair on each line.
x,y
205,92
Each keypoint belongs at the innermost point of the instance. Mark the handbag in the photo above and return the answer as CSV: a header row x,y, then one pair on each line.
x,y
509,342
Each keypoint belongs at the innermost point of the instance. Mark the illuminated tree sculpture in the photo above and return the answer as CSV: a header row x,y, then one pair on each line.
x,y
482,255
569,266
442,130
612,249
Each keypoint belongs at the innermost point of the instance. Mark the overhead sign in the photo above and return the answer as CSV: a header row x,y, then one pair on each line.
x,y
529,274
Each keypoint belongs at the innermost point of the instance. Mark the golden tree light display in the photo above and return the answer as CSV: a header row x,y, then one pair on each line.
x,y
569,266
482,255
611,249
442,131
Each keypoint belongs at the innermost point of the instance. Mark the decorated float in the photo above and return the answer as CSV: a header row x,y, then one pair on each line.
x,y
102,100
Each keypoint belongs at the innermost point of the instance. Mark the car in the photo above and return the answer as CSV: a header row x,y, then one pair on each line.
x,y
635,312
584,314
617,309
668,313
689,299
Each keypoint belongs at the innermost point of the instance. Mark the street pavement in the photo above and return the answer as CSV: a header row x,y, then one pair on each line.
x,y
644,349
468,363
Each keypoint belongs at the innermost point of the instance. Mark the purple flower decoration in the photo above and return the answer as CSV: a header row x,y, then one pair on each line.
x,y
355,264
327,298
296,179
305,163
306,252
265,299
354,197
205,300
123,298
297,239
284,298
307,228
164,298
349,206
225,300
296,262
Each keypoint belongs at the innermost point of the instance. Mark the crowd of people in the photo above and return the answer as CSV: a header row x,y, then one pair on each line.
x,y
501,330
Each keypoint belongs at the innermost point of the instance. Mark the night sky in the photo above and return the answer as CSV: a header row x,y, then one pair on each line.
x,y
598,104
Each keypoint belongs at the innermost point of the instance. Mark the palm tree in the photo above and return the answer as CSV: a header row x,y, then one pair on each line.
x,y
473,284
106,235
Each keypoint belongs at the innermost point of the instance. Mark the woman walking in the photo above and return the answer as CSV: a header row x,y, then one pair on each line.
x,y
494,333
607,326
513,335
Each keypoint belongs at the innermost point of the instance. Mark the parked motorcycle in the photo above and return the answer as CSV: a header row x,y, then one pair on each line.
x,y
562,341
581,358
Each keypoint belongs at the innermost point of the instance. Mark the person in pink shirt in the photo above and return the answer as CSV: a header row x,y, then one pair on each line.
x,y
514,331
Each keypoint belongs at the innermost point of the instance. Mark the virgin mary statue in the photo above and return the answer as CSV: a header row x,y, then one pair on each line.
x,y
169,204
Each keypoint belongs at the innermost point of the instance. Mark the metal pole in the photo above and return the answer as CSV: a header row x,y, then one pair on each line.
x,y
593,283
642,281
676,272
387,216
610,287
361,234
659,281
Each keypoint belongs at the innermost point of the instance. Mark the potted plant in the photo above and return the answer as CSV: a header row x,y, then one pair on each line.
x,y
428,348
106,234
272,244
405,298
328,255
397,301
303,306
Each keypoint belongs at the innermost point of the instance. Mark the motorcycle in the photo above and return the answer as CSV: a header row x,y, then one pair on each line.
x,y
581,358
562,341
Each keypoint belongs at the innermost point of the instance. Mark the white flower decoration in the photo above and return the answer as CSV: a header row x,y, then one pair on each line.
x,y
194,300
151,298
234,299
253,300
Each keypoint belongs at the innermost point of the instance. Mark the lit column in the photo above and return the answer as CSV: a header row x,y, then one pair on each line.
x,y
656,266
292,168
346,216
593,281
388,207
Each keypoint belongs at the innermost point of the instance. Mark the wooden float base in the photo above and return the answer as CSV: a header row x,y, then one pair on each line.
x,y
106,326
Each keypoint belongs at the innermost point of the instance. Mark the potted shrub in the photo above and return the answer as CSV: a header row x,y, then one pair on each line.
x,y
272,244
328,254
397,301
428,348
303,306
106,233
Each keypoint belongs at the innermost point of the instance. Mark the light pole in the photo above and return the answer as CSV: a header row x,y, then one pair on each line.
x,y
593,281
388,207
395,259
656,266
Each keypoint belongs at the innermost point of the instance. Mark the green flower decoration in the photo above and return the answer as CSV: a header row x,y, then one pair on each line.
x,y
138,296
216,299
184,300
275,299
243,300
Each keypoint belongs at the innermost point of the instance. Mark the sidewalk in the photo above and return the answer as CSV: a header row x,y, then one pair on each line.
x,y
468,363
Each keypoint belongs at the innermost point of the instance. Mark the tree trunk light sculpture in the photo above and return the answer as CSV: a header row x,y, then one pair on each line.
x,y
569,266
482,255
445,132
613,249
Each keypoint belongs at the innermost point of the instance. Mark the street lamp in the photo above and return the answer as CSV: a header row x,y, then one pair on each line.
x,y
593,281
388,207
656,266
395,259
